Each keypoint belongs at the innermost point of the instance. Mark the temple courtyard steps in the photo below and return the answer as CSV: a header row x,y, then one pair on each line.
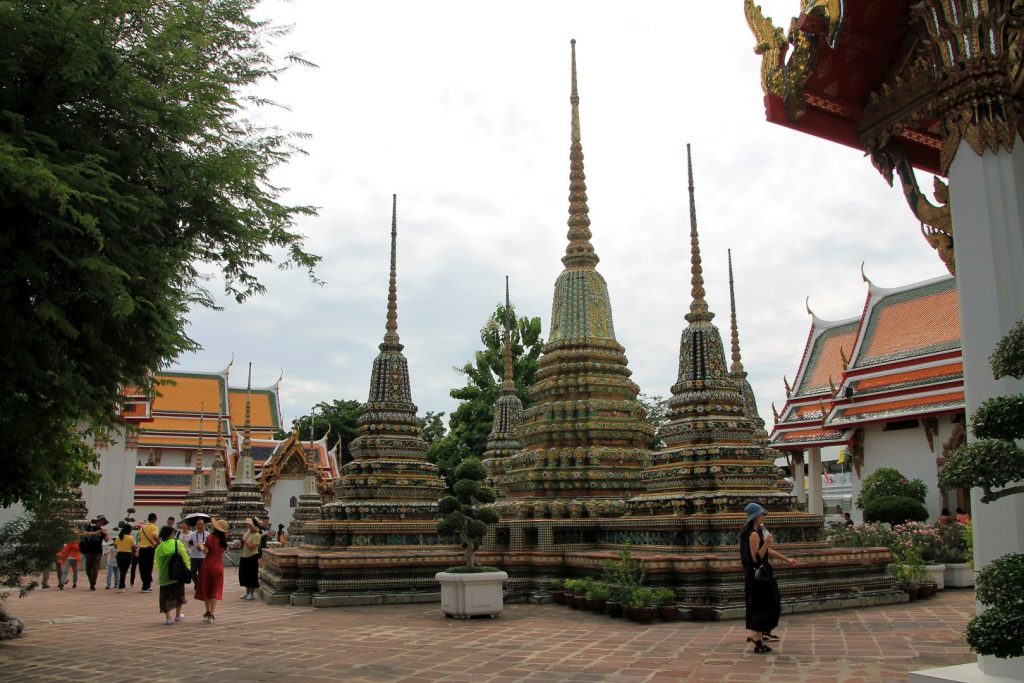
x,y
80,635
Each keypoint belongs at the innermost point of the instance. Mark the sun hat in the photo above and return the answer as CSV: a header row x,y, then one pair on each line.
x,y
220,525
754,510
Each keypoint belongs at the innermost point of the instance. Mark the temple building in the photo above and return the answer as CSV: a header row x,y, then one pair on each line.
x,y
887,385
935,86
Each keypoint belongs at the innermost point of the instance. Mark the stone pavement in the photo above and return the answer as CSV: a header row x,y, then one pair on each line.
x,y
77,635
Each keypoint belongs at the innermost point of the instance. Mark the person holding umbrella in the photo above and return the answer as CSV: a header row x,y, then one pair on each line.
x,y
210,586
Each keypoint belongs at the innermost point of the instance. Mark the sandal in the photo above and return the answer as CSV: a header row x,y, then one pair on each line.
x,y
760,647
769,637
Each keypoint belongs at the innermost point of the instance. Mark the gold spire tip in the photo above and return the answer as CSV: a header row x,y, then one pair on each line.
x,y
737,363
391,328
579,253
698,306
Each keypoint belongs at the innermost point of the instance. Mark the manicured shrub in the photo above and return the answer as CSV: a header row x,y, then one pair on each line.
x,y
895,510
887,481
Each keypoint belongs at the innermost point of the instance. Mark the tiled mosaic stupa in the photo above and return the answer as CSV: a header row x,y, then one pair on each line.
x,y
216,493
585,442
714,459
195,499
503,441
310,500
245,498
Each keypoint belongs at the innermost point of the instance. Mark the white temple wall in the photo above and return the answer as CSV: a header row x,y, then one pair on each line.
x,y
115,491
280,510
905,450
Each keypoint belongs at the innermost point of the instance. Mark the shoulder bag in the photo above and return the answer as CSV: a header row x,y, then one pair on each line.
x,y
176,568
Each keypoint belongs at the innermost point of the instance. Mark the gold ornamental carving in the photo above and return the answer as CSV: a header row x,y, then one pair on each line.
x,y
784,78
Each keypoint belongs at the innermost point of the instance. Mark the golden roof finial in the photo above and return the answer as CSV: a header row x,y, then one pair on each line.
x,y
789,389
579,253
737,364
842,357
698,306
247,429
775,412
832,386
391,335
509,383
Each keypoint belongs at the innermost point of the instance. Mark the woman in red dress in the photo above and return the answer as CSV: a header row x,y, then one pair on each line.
x,y
210,587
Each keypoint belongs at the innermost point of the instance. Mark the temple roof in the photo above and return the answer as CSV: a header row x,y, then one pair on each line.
x,y
162,485
266,417
900,359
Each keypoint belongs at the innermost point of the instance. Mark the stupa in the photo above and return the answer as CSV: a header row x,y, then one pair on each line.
x,y
503,441
585,442
245,498
713,459
216,493
195,499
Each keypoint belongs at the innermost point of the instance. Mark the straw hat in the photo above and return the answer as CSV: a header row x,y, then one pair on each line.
x,y
220,525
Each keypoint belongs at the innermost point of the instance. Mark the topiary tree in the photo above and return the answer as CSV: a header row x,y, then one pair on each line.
x,y
991,463
887,481
895,510
465,516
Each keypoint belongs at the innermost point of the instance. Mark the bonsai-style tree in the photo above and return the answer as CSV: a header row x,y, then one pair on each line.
x,y
465,516
992,463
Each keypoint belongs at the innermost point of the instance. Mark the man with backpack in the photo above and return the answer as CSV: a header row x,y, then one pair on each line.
x,y
91,546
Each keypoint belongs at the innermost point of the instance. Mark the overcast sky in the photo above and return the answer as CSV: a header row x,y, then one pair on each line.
x,y
462,109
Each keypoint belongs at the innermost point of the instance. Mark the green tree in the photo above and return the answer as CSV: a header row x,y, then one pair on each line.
x,y
432,427
465,511
472,421
888,481
128,168
341,417
656,408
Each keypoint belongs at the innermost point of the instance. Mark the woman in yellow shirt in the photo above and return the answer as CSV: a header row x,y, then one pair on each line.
x,y
248,565
124,544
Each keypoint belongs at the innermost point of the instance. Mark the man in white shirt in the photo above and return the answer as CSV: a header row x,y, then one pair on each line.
x,y
194,540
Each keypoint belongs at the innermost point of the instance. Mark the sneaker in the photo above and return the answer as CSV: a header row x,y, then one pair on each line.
x,y
92,588
120,590
107,587
147,590
250,596
243,596
180,617
168,622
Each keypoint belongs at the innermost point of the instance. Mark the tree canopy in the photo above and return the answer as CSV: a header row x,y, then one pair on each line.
x,y
341,418
128,171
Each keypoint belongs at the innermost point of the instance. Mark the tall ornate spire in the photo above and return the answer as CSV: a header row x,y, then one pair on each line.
x,y
580,252
247,427
698,306
737,364
199,455
509,382
391,334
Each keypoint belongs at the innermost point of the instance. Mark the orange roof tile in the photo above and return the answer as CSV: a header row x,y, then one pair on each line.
x,y
187,392
264,409
909,377
905,405
913,322
826,361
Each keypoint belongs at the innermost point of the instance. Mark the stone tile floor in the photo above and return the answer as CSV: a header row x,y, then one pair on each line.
x,y
85,636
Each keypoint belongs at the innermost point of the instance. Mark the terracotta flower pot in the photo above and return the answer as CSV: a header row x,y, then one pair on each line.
x,y
911,592
597,604
569,599
614,609
629,612
558,597
668,612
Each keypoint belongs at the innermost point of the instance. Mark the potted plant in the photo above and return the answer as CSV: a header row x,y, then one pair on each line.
x,y
641,605
904,576
573,587
958,573
558,591
597,597
621,575
469,590
665,599
582,586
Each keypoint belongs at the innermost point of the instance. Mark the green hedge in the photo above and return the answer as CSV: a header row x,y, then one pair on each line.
x,y
895,510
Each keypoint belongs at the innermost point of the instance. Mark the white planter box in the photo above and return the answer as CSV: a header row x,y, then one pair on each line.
x,y
469,595
959,575
938,572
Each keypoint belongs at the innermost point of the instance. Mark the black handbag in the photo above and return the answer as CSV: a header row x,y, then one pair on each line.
x,y
176,568
764,574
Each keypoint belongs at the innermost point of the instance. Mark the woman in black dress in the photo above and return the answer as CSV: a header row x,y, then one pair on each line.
x,y
763,600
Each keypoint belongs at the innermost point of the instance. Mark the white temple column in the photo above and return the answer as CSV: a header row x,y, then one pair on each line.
x,y
815,503
987,202
798,478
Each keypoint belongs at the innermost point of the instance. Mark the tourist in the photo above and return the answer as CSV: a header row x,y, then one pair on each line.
x,y
265,533
847,520
945,517
135,553
110,556
172,591
210,587
248,565
147,546
92,547
68,558
962,517
177,531
195,541
126,550
763,600
282,536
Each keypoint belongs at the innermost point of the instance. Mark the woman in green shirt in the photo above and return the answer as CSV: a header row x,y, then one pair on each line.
x,y
172,592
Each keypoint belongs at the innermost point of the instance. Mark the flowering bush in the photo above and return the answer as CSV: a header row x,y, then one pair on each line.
x,y
942,543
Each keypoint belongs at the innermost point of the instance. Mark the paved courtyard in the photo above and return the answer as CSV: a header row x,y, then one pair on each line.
x,y
85,636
